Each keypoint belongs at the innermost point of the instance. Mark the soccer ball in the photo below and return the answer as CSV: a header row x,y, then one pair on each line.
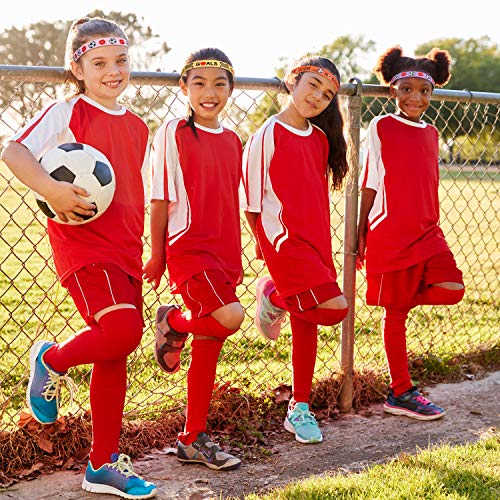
x,y
84,166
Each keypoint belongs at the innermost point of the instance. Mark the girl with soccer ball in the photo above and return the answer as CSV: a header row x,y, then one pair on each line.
x,y
98,262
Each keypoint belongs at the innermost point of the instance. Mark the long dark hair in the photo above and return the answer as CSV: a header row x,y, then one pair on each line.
x,y
200,55
331,122
436,64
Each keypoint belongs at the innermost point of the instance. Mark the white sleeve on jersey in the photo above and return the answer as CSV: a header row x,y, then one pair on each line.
x,y
257,157
47,129
373,171
164,163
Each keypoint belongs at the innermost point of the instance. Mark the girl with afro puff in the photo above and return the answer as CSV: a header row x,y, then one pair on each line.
x,y
408,262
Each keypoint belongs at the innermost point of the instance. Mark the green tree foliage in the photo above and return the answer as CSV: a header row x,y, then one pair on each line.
x,y
475,66
43,44
347,52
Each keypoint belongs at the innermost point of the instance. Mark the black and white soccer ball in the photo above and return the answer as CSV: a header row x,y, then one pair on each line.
x,y
84,166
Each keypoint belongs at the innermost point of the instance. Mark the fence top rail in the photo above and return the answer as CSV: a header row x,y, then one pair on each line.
x,y
57,75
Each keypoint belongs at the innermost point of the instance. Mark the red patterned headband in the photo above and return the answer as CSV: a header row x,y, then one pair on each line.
x,y
99,42
412,74
320,71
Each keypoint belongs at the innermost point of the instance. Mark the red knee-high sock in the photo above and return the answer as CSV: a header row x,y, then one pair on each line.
x,y
322,316
316,315
437,295
304,348
108,386
116,335
394,333
198,326
200,386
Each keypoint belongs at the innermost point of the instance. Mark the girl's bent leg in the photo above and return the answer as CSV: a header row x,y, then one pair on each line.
x,y
445,293
115,336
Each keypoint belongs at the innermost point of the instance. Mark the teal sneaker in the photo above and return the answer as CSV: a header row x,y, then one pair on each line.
x,y
117,478
301,422
44,386
268,317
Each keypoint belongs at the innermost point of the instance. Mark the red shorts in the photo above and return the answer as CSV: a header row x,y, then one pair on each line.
x,y
206,292
303,301
399,289
98,286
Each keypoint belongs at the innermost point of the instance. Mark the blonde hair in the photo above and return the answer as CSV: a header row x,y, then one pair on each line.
x,y
81,31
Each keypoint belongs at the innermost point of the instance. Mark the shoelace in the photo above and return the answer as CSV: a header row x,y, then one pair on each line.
x,y
422,400
53,386
124,466
274,317
304,417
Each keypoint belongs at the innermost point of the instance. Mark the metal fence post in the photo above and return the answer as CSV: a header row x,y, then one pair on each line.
x,y
350,247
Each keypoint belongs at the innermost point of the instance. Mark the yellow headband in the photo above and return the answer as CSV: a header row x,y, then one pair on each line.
x,y
207,63
320,71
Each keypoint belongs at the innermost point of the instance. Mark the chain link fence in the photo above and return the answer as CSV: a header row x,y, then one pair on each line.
x,y
34,306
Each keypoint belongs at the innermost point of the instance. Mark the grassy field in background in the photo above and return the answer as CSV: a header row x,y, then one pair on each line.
x,y
34,306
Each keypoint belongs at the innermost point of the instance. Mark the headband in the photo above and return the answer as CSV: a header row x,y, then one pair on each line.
x,y
321,71
412,74
207,63
99,42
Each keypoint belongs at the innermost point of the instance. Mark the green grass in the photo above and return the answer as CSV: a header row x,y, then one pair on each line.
x,y
33,306
447,472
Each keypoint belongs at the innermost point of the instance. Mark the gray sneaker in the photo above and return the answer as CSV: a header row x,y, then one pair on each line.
x,y
204,451
268,317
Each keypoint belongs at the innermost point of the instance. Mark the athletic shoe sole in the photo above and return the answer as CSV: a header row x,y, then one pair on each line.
x,y
397,410
231,464
105,488
34,351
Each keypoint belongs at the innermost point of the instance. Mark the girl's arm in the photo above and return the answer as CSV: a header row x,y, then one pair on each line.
x,y
367,199
252,222
63,197
155,266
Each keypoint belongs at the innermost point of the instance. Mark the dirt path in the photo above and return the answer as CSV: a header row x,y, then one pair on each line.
x,y
350,443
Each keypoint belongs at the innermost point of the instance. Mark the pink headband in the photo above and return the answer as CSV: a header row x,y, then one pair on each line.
x,y
99,42
320,71
412,74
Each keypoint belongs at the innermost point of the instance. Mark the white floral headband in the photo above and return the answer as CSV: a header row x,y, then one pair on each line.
x,y
99,42
412,74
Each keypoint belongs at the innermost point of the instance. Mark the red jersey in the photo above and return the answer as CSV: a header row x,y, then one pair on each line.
x,y
116,235
199,176
285,179
402,167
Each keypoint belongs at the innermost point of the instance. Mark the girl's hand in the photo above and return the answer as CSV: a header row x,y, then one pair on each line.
x,y
67,202
360,259
153,270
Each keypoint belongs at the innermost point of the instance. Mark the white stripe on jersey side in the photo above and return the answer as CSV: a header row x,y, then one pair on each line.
x,y
213,288
375,174
179,211
83,295
109,286
194,300
272,208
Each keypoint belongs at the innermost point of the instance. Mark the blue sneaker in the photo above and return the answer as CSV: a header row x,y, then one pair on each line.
x,y
44,385
413,405
301,422
117,478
